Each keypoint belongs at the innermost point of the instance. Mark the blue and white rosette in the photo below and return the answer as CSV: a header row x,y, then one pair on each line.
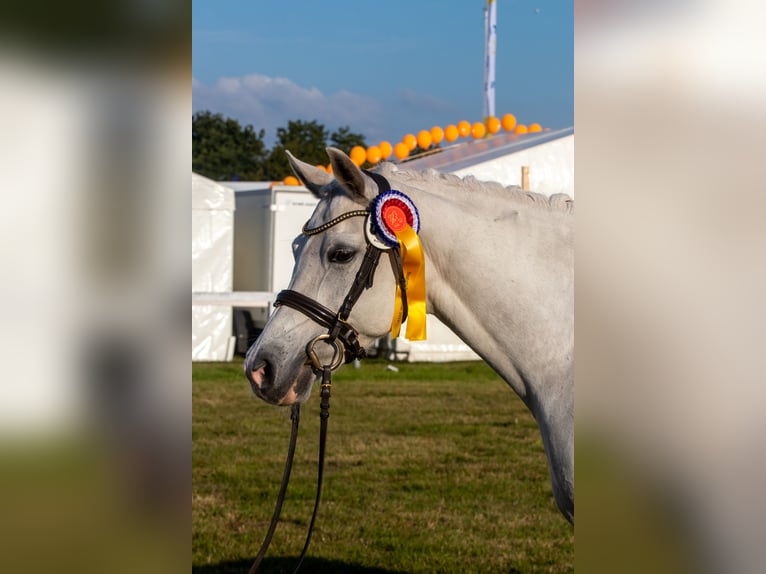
x,y
389,212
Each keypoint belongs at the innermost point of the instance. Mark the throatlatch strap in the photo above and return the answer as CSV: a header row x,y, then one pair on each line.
x,y
396,265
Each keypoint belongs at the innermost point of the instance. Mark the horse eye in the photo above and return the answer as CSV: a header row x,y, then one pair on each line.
x,y
341,255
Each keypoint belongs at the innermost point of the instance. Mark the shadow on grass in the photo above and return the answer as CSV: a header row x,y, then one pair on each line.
x,y
286,566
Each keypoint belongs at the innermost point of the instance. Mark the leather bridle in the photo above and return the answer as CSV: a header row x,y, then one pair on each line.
x,y
344,339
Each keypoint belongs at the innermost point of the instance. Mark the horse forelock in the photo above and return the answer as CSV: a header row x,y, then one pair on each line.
x,y
450,183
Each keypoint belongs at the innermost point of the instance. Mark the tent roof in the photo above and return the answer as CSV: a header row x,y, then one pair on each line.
x,y
209,194
461,156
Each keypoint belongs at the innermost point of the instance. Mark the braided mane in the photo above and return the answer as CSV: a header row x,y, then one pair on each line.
x,y
556,202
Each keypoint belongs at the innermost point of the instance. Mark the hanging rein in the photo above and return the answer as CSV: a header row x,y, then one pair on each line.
x,y
344,339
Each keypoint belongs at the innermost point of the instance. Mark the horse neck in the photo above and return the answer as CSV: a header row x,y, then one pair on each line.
x,y
484,280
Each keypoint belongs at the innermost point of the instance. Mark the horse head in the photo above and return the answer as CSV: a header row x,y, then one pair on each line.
x,y
327,261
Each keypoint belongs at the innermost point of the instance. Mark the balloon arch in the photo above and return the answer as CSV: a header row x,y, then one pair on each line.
x,y
426,138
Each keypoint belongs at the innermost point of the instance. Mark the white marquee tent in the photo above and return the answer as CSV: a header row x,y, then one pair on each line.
x,y
549,159
212,272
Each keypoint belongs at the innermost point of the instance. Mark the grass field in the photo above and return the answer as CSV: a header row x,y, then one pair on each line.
x,y
434,468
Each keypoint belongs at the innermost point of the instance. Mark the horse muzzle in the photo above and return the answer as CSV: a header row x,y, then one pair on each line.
x,y
272,386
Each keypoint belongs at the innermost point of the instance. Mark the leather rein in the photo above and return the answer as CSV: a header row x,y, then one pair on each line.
x,y
344,339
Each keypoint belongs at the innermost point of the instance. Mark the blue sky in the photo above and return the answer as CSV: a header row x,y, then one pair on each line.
x,y
383,68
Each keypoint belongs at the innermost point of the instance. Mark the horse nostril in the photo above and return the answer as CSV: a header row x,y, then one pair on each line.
x,y
255,371
256,364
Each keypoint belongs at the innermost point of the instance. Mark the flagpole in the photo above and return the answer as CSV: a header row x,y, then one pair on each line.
x,y
490,43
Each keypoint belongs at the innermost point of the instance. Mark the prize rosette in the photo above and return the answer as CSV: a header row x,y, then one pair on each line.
x,y
391,212
395,222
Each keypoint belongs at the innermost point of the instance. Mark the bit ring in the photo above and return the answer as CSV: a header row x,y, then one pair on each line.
x,y
338,356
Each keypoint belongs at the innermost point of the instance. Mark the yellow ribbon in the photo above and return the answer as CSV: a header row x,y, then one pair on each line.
x,y
414,267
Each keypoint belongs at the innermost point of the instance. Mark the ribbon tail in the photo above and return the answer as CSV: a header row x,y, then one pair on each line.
x,y
414,266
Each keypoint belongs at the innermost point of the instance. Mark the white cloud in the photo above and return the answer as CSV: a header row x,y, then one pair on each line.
x,y
268,102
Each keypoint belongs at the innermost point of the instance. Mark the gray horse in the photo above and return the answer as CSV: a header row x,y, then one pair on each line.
x,y
500,274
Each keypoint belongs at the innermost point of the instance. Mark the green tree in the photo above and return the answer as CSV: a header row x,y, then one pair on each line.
x,y
305,140
224,150
344,139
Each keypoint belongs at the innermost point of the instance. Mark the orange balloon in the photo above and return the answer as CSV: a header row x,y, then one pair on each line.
x,y
451,133
290,180
509,122
478,130
463,128
329,168
373,154
521,129
358,154
535,128
401,150
385,149
437,135
424,139
410,141
493,125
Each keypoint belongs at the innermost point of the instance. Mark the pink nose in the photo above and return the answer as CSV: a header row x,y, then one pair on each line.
x,y
256,377
255,370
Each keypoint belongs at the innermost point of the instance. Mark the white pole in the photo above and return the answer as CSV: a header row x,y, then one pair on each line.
x,y
490,42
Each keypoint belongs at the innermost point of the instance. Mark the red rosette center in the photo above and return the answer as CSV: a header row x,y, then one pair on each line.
x,y
396,215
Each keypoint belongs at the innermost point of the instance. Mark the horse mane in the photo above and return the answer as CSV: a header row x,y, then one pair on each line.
x,y
556,202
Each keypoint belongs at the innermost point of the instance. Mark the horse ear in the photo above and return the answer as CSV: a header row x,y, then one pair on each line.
x,y
312,177
360,186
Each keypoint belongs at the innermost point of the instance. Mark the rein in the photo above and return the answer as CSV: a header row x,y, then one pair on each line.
x,y
324,414
344,339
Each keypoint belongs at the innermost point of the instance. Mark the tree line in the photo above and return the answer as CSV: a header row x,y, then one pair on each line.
x,y
225,150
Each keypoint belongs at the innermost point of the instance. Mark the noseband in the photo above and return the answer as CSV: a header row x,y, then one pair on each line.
x,y
345,341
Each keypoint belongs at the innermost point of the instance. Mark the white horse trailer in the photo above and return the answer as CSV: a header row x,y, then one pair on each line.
x,y
267,220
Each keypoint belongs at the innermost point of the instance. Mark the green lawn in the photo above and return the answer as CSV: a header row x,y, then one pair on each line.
x,y
434,468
